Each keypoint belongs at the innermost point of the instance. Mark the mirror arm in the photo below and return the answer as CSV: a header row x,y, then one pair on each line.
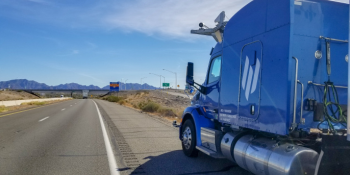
x,y
201,90
197,84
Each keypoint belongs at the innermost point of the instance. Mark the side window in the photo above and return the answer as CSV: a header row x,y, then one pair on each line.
x,y
214,71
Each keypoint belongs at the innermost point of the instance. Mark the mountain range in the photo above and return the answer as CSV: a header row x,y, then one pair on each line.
x,y
30,84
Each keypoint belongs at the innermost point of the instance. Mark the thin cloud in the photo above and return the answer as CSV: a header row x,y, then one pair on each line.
x,y
93,78
157,18
39,1
73,52
169,18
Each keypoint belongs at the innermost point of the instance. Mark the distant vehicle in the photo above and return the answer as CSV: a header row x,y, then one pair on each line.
x,y
262,108
62,96
85,94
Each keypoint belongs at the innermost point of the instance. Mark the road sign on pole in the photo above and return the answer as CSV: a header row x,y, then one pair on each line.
x,y
166,84
114,86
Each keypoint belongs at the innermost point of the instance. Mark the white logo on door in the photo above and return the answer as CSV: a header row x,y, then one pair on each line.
x,y
249,83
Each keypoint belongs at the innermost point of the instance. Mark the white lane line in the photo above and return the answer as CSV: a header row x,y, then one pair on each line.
x,y
44,119
63,109
113,167
71,105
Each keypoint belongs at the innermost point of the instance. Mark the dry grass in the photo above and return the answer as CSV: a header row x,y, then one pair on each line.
x,y
113,98
167,112
162,104
15,95
121,102
38,103
150,106
3,108
153,107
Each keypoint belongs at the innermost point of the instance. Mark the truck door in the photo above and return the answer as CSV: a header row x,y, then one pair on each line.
x,y
211,97
249,91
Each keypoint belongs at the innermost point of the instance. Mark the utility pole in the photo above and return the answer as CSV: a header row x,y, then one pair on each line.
x,y
163,80
160,79
175,77
120,84
125,83
141,82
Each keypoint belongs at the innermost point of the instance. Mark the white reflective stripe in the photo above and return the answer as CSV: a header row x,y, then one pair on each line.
x,y
245,72
44,119
256,75
249,82
113,166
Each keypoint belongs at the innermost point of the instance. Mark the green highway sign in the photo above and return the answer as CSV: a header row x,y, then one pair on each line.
x,y
166,84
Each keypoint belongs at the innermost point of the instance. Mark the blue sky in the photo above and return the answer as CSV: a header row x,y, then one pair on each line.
x,y
95,42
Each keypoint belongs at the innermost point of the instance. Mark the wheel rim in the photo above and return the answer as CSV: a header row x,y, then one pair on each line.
x,y
187,137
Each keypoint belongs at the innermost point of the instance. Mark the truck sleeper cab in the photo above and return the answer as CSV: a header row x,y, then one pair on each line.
x,y
275,96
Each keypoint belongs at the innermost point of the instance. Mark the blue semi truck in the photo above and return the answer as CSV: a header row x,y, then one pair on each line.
x,y
275,97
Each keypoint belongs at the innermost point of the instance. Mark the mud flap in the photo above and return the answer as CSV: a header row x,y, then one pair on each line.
x,y
334,156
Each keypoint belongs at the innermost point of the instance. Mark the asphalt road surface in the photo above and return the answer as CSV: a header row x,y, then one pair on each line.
x,y
68,138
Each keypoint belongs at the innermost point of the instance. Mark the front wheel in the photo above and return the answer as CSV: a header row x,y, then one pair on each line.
x,y
189,139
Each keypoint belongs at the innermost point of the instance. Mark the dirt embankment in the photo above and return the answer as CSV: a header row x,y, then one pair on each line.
x,y
15,95
158,103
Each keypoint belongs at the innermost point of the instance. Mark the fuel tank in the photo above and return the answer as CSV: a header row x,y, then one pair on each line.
x,y
264,156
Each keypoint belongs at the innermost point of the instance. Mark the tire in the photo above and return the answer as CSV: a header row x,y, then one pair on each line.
x,y
188,135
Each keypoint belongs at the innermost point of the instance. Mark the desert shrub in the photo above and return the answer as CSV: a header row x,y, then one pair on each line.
x,y
113,98
150,106
142,92
121,102
3,108
34,103
167,112
140,105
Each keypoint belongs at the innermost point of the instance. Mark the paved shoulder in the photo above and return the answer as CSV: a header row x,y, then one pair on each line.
x,y
148,146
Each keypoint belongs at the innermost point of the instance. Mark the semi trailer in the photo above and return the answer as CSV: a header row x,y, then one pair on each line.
x,y
85,94
275,97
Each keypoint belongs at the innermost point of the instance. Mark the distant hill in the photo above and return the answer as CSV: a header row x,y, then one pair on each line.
x,y
30,84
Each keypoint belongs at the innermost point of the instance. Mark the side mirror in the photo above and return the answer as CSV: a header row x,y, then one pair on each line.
x,y
190,81
189,74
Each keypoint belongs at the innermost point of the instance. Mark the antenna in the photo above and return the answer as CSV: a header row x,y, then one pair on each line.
x,y
215,32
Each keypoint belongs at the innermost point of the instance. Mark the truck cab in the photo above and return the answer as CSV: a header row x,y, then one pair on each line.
x,y
275,97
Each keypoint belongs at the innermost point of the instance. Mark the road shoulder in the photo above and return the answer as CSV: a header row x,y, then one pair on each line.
x,y
146,145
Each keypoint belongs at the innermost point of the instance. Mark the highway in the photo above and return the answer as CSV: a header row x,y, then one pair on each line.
x,y
68,138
